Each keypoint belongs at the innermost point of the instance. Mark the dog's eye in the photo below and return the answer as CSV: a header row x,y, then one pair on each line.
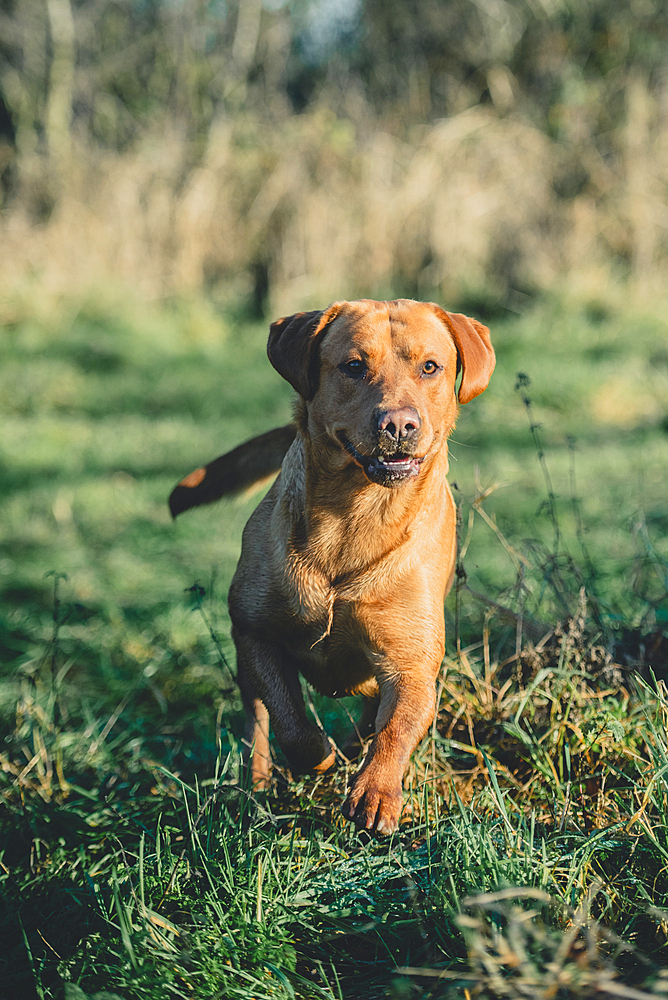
x,y
429,368
355,368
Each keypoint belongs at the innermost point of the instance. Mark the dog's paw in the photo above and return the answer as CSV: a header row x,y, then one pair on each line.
x,y
325,764
372,807
313,754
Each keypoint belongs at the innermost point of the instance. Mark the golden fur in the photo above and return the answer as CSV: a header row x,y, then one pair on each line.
x,y
346,562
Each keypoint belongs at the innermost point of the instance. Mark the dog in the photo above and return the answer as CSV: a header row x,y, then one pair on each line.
x,y
346,562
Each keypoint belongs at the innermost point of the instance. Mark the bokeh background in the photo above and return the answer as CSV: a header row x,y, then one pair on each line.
x,y
306,149
175,173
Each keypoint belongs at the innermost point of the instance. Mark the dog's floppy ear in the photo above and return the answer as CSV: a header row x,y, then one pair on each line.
x,y
475,351
292,347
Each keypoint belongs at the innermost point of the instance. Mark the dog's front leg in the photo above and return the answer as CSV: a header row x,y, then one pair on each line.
x,y
269,681
407,700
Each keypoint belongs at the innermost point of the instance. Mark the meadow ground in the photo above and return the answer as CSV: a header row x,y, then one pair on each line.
x,y
532,860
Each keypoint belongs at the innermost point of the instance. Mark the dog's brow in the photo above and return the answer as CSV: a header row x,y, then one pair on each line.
x,y
412,349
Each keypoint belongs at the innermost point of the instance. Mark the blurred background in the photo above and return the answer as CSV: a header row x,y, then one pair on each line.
x,y
279,152
175,173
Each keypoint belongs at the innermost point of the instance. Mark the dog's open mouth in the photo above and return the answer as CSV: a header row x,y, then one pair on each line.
x,y
384,471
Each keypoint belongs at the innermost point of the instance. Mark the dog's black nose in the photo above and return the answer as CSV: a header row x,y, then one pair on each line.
x,y
399,425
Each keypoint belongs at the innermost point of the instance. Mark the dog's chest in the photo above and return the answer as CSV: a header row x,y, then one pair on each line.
x,y
332,648
325,623
313,605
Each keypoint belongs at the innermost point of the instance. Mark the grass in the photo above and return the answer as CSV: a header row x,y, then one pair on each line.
x,y
533,855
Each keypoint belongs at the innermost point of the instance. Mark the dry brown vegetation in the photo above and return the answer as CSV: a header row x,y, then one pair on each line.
x,y
500,155
464,202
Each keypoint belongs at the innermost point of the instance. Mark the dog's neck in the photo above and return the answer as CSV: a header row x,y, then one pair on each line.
x,y
338,514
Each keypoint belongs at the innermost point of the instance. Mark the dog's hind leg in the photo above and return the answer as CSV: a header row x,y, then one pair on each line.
x,y
256,736
270,687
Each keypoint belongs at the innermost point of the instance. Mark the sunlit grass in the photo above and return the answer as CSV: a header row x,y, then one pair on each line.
x,y
532,855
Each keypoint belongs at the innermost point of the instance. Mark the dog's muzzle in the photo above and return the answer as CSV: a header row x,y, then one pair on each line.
x,y
391,470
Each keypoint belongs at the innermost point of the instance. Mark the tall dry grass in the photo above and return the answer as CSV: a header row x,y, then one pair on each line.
x,y
317,207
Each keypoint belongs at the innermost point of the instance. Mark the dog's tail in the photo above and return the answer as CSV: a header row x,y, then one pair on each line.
x,y
249,465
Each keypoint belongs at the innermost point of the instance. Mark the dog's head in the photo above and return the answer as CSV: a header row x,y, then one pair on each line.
x,y
379,378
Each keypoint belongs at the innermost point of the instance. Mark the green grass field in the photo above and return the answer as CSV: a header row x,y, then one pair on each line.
x,y
532,860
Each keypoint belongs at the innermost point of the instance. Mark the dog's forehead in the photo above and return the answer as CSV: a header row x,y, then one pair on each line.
x,y
401,326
